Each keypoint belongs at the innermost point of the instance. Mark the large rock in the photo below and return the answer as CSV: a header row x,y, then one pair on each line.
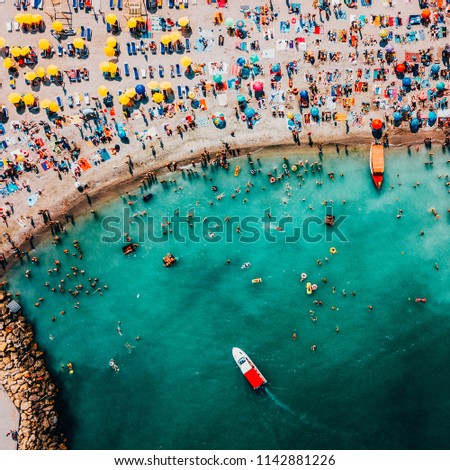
x,y
3,347
25,405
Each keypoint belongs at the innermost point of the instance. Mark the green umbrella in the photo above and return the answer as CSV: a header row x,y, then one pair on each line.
x,y
217,78
229,22
440,86
254,58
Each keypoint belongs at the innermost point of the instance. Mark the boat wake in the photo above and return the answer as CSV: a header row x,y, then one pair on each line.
x,y
279,402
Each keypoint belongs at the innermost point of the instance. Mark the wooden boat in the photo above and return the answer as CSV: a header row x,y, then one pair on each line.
x,y
377,164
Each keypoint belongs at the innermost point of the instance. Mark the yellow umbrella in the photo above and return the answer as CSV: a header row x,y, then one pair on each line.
x,y
131,92
140,20
165,39
111,41
78,43
40,72
2,42
19,18
384,33
52,70
45,103
14,98
112,68
28,99
27,18
165,85
104,66
20,158
131,23
185,61
7,63
30,76
109,51
111,18
183,21
57,26
102,91
153,85
158,97
53,107
44,44
124,100
37,18
174,37
191,95
16,51
25,51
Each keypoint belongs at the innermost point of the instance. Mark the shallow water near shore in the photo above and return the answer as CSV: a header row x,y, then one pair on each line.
x,y
380,382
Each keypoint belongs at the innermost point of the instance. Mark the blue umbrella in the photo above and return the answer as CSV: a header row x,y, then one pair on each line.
x,y
390,47
241,61
277,77
406,108
406,81
249,112
440,86
241,98
414,123
315,112
140,89
276,68
432,118
304,94
290,122
397,116
435,68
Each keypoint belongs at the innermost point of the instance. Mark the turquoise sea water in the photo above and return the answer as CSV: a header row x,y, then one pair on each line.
x,y
381,382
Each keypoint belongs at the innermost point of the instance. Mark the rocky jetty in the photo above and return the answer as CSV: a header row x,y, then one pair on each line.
x,y
28,383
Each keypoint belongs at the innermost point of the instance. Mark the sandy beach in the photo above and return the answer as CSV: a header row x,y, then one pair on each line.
x,y
56,191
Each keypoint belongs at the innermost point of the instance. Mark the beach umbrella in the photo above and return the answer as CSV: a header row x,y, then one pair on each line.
x,y
241,61
304,94
400,68
229,22
112,68
377,124
44,44
153,85
423,96
406,108
240,24
28,99
8,63
37,18
191,95
24,51
53,107
30,76
27,18
390,47
78,43
2,42
183,21
241,98
104,66
109,51
130,92
57,26
165,86
52,70
217,78
165,39
15,51
254,58
397,116
185,61
45,103
315,112
432,118
426,13
435,68
140,89
276,68
406,82
40,72
111,18
124,100
158,97
258,86
249,112
175,36
111,41
19,18
414,123
14,98
384,33
102,91
132,23
440,86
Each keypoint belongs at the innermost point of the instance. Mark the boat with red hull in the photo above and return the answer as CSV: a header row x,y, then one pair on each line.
x,y
377,164
248,369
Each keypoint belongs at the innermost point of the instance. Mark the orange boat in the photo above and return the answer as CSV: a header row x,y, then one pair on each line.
x,y
377,164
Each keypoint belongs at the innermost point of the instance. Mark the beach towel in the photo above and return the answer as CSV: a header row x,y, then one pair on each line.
x,y
84,164
46,165
285,26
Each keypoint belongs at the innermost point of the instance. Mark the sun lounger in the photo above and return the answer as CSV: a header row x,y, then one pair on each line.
x,y
38,4
89,34
143,72
188,45
126,69
75,4
129,48
59,102
161,71
136,73
16,26
82,32
112,4
119,4
133,48
81,4
9,26
180,93
77,99
186,91
178,69
170,3
162,48
108,28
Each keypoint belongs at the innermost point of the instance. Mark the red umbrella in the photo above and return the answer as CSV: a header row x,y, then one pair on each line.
x,y
377,124
400,68
426,13
423,96
258,86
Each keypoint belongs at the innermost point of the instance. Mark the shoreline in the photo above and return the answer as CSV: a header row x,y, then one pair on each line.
x,y
114,188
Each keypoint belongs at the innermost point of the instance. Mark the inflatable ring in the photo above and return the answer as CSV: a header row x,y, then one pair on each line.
x,y
295,91
333,250
284,165
272,180
314,287
304,276
294,20
294,168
